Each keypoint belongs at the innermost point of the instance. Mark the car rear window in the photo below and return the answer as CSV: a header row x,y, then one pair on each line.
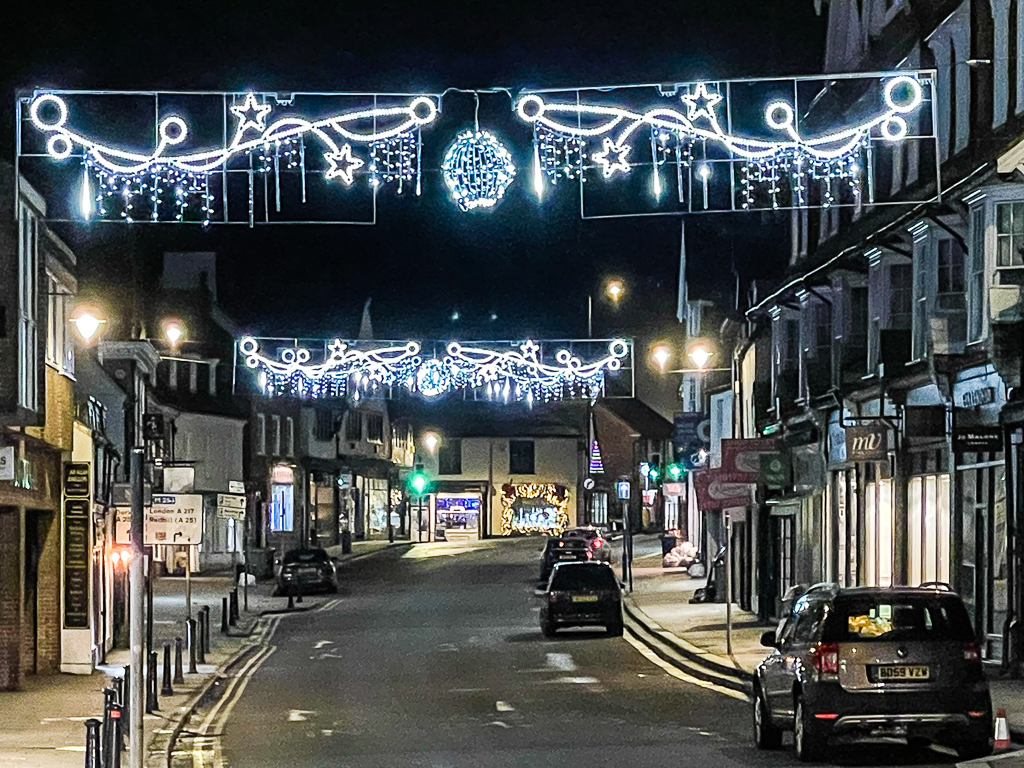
x,y
567,544
306,556
583,577
882,618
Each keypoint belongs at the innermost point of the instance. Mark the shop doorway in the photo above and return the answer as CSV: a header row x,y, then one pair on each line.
x,y
782,547
457,516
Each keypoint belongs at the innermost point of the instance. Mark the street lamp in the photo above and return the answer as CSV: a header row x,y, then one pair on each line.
x,y
661,354
430,441
174,332
615,289
700,355
87,321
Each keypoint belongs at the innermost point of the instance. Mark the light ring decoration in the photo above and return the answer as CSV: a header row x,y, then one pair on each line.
x,y
477,169
500,371
894,128
913,89
140,176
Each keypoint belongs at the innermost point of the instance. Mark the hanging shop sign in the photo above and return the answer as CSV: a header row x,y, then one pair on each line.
x,y
977,439
744,456
76,563
718,489
7,462
76,479
260,157
691,433
867,443
774,469
672,490
499,371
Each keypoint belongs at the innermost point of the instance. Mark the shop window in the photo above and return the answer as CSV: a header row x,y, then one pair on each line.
x,y
928,529
878,533
599,508
520,457
354,426
261,434
449,457
375,427
951,269
282,507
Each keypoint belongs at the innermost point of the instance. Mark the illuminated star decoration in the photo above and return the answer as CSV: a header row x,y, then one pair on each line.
x,y
609,165
343,164
701,103
252,114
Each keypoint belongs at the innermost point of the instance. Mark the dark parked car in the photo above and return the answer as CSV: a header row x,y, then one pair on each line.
x,y
595,539
560,551
874,662
308,569
581,594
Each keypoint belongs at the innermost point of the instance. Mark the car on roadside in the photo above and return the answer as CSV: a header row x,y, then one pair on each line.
x,y
595,539
307,570
580,594
562,550
872,661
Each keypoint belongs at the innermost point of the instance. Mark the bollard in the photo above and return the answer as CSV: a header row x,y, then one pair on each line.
x,y
291,597
191,625
200,635
166,689
126,689
233,604
298,589
92,743
152,703
223,615
206,628
179,678
107,738
118,733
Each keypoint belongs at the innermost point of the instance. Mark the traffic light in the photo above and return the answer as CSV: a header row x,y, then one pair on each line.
x,y
675,471
654,474
418,481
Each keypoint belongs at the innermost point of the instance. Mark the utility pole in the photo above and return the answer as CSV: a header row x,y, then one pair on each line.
x,y
136,613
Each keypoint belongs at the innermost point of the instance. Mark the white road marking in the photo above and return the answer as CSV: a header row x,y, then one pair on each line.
x,y
655,659
46,720
561,661
76,748
573,680
322,644
299,715
493,722
504,706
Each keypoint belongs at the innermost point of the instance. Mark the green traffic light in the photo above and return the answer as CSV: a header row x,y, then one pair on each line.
x,y
655,474
675,471
418,483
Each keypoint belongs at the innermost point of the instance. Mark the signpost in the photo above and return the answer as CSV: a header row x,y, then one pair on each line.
x,y
177,519
230,506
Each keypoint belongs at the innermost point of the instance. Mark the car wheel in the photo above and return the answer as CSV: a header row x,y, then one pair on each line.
x,y
974,748
548,628
918,742
766,735
810,746
614,629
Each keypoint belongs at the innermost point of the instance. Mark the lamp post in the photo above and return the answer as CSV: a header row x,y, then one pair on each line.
x,y
614,289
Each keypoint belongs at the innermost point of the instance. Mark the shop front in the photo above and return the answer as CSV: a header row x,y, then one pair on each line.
x,y
534,508
457,516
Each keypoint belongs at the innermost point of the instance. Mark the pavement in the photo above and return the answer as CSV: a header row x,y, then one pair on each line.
x,y
43,724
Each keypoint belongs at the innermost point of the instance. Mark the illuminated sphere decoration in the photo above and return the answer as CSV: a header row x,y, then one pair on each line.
x,y
477,169
432,378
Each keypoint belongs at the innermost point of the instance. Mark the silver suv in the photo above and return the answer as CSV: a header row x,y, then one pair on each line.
x,y
870,661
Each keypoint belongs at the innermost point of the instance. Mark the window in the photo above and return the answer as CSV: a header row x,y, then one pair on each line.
x,y
323,430
599,508
866,618
1009,234
375,427
449,457
28,296
282,508
520,457
354,426
951,266
261,434
289,436
901,292
275,435
976,278
878,533
928,528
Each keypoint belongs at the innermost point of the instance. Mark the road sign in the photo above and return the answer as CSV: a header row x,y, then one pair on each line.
x,y
230,506
236,486
175,519
622,489
122,525
674,489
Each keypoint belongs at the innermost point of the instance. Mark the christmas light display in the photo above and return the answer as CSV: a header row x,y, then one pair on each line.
x,y
596,460
546,508
776,172
477,169
170,183
499,371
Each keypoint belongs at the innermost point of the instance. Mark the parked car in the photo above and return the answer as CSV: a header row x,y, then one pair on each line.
x,y
595,539
308,569
581,594
870,661
562,550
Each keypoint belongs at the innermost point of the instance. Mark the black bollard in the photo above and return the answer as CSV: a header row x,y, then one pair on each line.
x,y
92,743
118,727
233,604
298,589
179,678
191,624
107,739
206,628
291,597
126,694
152,703
166,689
200,641
223,615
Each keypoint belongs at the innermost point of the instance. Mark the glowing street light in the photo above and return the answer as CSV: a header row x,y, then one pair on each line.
x,y
700,355
431,440
87,322
661,355
615,290
174,332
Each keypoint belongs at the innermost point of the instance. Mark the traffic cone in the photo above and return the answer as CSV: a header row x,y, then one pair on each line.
x,y
1002,736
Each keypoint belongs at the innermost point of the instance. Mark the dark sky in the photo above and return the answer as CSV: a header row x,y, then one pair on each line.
x,y
530,265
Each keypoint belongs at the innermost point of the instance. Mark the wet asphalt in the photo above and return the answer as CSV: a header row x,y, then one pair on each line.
x,y
439,661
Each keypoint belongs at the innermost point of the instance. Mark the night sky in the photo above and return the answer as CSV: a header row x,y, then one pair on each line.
x,y
530,265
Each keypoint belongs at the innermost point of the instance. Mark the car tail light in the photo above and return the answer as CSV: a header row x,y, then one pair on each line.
x,y
971,653
825,658
556,597
598,543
